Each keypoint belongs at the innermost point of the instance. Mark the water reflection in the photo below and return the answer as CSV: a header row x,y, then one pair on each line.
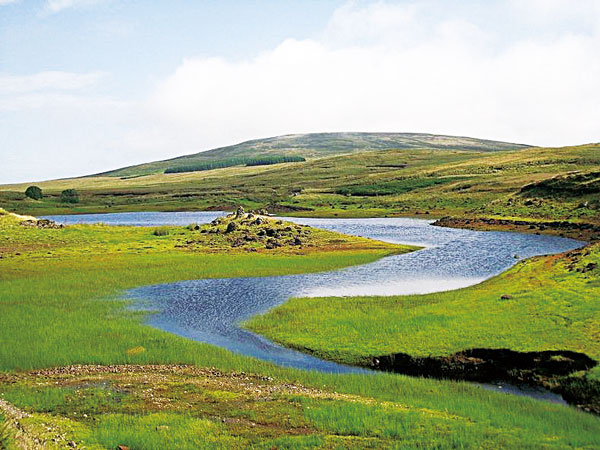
x,y
210,310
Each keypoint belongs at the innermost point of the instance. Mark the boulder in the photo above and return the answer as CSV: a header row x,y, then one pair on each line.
x,y
272,243
231,226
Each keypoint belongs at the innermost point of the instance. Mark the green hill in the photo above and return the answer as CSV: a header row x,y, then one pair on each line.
x,y
315,145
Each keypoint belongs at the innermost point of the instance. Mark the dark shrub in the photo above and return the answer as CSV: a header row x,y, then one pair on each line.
x,y
161,231
69,196
34,192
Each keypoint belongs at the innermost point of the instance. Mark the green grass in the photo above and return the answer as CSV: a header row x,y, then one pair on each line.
x,y
66,308
5,434
552,306
184,407
390,182
160,431
67,282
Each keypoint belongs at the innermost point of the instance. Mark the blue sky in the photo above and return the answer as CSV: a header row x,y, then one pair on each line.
x,y
90,85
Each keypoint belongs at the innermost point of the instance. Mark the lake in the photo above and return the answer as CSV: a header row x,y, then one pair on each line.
x,y
211,310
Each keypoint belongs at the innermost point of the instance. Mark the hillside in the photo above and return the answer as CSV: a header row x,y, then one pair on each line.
x,y
318,145
534,184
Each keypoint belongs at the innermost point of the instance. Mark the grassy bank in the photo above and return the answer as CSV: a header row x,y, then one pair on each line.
x,y
60,304
545,303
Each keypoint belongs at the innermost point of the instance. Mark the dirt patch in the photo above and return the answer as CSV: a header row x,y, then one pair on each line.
x,y
575,230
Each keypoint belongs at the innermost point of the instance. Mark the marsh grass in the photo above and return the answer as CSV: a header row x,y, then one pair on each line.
x,y
550,305
161,231
160,431
67,308
5,433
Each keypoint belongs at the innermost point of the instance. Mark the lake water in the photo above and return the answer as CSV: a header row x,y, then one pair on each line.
x,y
211,310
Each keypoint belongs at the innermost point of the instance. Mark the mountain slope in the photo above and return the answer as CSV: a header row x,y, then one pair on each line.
x,y
319,145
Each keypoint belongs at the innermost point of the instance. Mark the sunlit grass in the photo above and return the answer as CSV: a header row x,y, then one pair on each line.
x,y
548,305
67,308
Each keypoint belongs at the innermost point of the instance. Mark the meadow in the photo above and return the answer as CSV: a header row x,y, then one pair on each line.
x,y
429,183
61,305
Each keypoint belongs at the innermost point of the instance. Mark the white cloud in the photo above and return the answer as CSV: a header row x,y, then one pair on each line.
x,y
55,6
382,67
8,2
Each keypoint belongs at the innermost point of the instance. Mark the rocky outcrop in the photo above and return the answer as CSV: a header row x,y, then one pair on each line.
x,y
250,231
41,223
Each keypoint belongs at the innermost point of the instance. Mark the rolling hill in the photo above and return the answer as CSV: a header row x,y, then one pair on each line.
x,y
315,145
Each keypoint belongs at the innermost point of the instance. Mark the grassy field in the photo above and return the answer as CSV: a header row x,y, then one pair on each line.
x,y
545,303
390,182
60,304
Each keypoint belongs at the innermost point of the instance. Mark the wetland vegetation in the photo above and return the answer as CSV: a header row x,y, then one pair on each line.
x,y
80,369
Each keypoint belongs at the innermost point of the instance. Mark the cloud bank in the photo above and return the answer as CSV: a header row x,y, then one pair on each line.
x,y
413,67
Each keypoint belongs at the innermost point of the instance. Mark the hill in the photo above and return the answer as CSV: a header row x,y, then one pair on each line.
x,y
316,145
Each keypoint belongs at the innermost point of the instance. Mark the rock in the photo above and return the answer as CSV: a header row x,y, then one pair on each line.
x,y
72,444
259,221
506,297
297,241
261,233
272,243
216,222
271,232
239,212
122,447
197,227
231,226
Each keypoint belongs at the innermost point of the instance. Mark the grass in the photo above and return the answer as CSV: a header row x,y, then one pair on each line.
x,y
5,434
66,308
391,182
161,231
54,277
545,303
187,407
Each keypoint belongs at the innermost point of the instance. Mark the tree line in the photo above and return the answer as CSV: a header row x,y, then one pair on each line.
x,y
220,164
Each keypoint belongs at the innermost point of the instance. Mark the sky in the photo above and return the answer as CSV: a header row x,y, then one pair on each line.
x,y
92,85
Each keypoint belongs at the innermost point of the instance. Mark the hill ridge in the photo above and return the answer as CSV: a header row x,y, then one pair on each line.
x,y
319,145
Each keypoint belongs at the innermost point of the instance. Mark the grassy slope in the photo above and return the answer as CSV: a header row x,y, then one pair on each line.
x,y
553,306
319,145
64,308
470,183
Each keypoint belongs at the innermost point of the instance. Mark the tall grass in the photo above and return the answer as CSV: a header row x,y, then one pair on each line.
x,y
68,309
163,431
550,304
5,434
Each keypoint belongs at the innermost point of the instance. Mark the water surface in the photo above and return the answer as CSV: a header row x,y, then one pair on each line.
x,y
211,310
